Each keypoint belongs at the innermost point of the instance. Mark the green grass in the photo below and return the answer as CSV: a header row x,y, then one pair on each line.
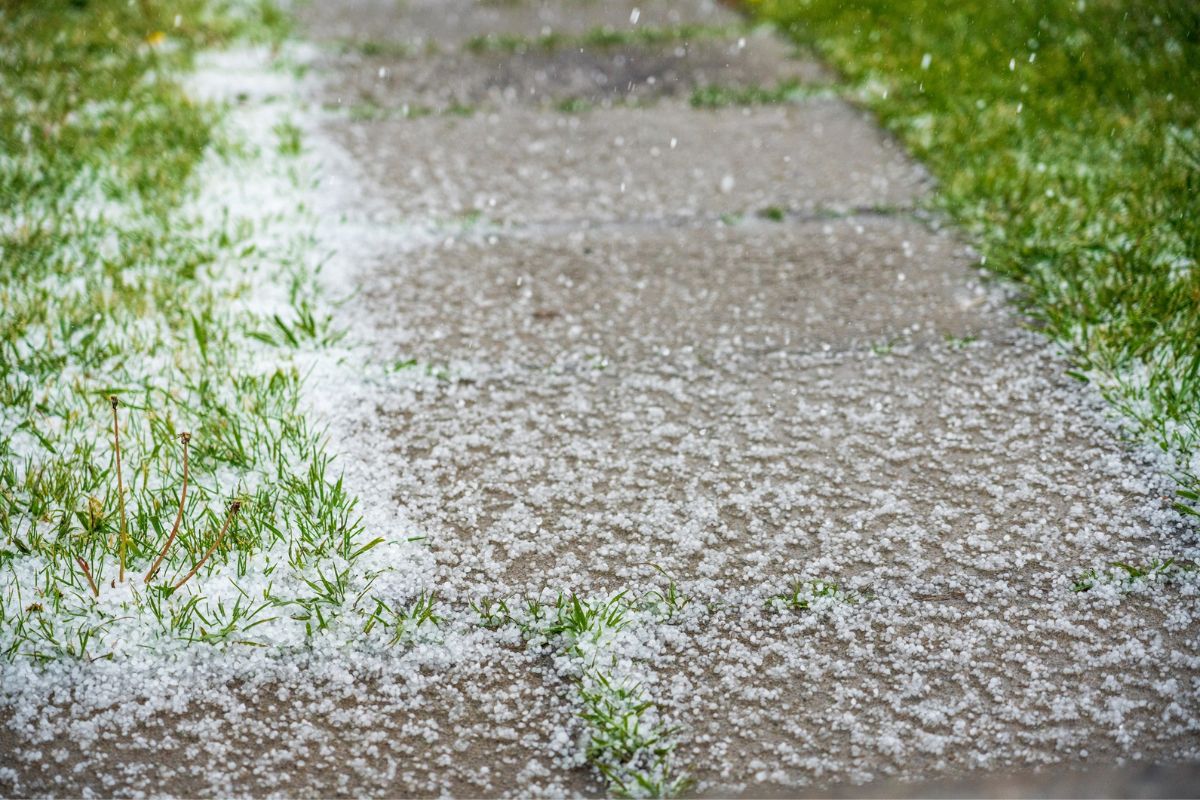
x,y
1066,139
113,287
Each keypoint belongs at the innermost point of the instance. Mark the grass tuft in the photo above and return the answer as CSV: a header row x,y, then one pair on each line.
x,y
1127,577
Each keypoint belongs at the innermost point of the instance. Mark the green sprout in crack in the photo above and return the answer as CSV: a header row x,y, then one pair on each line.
x,y
804,595
582,623
884,347
1127,576
788,91
627,742
667,601
958,342
492,614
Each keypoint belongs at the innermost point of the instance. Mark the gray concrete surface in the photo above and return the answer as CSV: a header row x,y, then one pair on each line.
x,y
524,167
643,372
366,80
436,24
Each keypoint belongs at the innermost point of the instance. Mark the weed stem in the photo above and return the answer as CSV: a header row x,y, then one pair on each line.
x,y
87,573
120,488
185,438
233,510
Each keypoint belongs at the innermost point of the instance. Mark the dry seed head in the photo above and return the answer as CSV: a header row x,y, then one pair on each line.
x,y
185,437
115,402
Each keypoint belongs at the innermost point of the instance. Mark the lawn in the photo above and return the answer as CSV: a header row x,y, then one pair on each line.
x,y
1065,137
150,433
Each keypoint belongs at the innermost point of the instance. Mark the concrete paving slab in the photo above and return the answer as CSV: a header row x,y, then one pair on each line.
x,y
633,293
939,464
581,75
523,167
1144,780
789,702
452,22
378,728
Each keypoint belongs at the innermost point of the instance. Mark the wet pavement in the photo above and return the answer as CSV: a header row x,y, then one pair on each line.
x,y
727,342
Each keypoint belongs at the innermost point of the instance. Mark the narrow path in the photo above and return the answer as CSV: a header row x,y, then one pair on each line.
x,y
722,342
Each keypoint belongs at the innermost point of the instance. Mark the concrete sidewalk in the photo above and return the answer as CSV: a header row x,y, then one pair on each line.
x,y
724,342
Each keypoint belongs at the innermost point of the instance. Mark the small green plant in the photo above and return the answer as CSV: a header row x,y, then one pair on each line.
x,y
632,750
306,328
627,742
574,105
667,601
1127,576
492,614
289,138
788,91
405,622
883,348
959,342
803,595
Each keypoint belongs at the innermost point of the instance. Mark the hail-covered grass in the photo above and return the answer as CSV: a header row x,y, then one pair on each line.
x,y
625,737
1124,577
1065,138
139,314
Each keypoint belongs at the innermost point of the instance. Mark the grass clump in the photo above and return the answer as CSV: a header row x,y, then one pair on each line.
x,y
127,330
808,595
627,742
405,622
786,91
1066,139
1127,577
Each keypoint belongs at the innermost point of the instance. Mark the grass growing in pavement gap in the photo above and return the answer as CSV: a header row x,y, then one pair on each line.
x,y
1127,577
627,742
644,36
1066,138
